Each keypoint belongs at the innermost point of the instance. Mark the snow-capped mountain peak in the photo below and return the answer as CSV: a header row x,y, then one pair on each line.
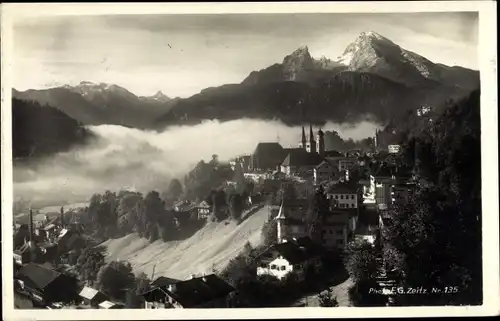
x,y
365,50
373,52
92,90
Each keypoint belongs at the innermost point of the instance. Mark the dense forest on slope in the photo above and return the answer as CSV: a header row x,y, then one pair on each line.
x,y
344,97
435,241
43,130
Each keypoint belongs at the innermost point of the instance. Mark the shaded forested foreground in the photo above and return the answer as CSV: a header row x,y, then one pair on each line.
x,y
434,242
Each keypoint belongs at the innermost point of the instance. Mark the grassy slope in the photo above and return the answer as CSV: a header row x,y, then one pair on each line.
x,y
212,246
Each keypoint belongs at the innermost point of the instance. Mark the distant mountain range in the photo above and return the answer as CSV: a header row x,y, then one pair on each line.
x,y
373,78
95,104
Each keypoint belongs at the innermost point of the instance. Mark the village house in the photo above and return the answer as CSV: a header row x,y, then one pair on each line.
x,y
368,186
163,281
184,211
244,162
45,286
266,157
342,163
40,220
337,228
366,234
300,163
184,206
21,235
35,248
203,210
92,297
23,254
343,195
293,255
208,291
393,149
51,232
69,239
347,163
291,219
390,190
325,171
385,138
36,253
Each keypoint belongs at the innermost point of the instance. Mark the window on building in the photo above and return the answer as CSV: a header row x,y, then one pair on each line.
x,y
340,242
352,196
273,267
341,197
352,205
283,268
336,197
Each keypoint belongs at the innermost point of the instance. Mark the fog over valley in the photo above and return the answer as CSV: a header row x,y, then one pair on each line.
x,y
127,158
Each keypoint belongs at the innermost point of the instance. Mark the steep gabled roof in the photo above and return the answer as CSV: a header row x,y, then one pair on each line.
x,y
333,153
39,275
344,187
267,155
109,305
203,204
90,293
196,291
271,147
164,281
296,251
184,206
301,157
325,162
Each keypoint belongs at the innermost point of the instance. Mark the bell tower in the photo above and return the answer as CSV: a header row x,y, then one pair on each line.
x,y
311,145
303,141
320,138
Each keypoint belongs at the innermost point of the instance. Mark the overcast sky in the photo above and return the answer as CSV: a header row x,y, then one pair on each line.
x,y
183,54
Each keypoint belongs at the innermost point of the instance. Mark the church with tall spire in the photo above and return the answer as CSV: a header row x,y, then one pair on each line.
x,y
313,143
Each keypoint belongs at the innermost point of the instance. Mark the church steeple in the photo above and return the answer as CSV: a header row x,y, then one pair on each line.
x,y
281,224
312,142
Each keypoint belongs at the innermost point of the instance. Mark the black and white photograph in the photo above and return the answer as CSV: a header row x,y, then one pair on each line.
x,y
247,160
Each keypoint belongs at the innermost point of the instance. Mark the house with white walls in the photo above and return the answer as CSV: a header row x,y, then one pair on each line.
x,y
294,255
291,219
343,195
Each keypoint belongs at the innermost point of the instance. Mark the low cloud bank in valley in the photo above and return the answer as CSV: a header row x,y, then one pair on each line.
x,y
126,158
